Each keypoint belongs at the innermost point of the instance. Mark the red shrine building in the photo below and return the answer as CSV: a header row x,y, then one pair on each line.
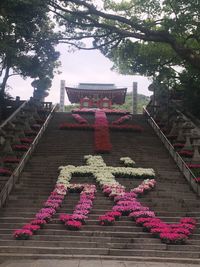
x,y
96,95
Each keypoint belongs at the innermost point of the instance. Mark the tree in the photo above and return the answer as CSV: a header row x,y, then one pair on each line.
x,y
170,22
160,39
27,41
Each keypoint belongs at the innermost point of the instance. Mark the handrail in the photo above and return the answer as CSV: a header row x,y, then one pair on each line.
x,y
13,114
188,174
15,175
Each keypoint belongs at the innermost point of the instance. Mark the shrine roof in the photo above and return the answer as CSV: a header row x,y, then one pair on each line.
x,y
117,95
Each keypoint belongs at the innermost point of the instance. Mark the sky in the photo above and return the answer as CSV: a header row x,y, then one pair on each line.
x,y
79,67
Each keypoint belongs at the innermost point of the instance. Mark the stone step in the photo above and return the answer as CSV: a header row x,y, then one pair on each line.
x,y
28,256
100,251
80,244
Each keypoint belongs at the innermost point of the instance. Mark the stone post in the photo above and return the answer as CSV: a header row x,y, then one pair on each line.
x,y
134,100
62,95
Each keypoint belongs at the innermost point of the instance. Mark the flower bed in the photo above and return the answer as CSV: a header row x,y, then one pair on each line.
x,y
20,147
131,128
186,153
126,203
11,160
106,110
79,119
128,162
5,172
122,119
72,126
101,134
75,220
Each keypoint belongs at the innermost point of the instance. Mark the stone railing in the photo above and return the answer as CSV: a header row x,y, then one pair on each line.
x,y
10,133
182,165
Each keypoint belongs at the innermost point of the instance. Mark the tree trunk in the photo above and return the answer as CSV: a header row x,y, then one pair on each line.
x,y
2,93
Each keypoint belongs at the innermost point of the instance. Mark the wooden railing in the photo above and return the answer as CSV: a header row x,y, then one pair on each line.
x,y
15,175
189,176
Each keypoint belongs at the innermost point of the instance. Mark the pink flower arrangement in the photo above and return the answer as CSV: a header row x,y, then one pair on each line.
x,y
38,222
45,214
52,204
22,234
114,214
169,233
51,211
145,186
82,208
142,214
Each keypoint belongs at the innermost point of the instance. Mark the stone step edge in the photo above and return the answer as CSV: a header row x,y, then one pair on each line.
x,y
14,256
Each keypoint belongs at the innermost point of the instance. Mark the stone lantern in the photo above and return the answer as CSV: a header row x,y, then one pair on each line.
x,y
180,122
186,128
196,145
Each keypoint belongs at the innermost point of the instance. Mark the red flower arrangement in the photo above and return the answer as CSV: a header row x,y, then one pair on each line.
x,y
178,145
11,160
73,225
72,126
79,119
186,153
22,234
122,119
26,140
106,220
41,223
20,147
31,227
30,133
131,128
5,172
106,110
173,238
101,135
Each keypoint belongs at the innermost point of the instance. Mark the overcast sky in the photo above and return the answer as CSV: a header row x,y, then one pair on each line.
x,y
80,67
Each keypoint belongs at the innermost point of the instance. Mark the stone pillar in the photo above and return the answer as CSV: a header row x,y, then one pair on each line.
x,y
62,95
134,100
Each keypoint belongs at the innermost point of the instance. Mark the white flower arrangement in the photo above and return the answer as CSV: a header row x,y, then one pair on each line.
x,y
128,162
104,175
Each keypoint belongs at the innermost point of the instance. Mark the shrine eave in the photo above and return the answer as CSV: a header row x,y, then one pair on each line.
x,y
117,96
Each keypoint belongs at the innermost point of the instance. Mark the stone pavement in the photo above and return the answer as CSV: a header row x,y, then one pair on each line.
x,y
88,263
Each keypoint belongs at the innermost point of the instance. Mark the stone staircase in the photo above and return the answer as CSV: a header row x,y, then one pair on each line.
x,y
171,200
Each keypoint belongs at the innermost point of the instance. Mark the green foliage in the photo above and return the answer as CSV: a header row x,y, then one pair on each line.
x,y
27,41
69,108
142,101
